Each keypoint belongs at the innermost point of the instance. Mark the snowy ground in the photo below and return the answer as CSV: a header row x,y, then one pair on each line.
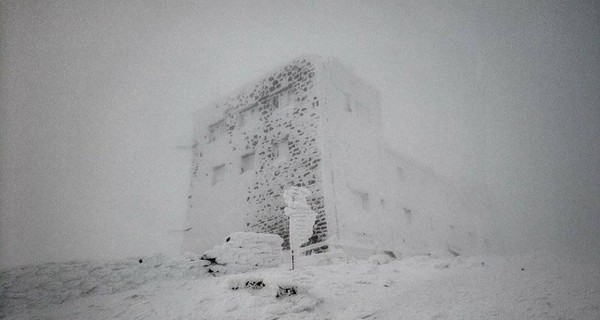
x,y
517,287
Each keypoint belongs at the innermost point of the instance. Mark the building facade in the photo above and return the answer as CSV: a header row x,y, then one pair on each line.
x,y
314,123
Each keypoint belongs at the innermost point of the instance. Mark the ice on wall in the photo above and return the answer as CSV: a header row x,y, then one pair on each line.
x,y
313,123
276,120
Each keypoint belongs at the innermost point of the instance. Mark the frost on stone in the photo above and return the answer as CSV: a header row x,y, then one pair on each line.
x,y
251,282
273,286
380,259
244,251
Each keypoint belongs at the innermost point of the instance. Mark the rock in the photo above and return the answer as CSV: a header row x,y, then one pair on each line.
x,y
244,251
380,259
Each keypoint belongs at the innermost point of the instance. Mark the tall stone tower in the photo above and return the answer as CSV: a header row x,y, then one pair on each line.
x,y
311,123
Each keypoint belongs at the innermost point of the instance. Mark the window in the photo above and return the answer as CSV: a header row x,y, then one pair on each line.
x,y
359,199
408,214
400,173
355,107
249,114
281,150
216,130
218,174
348,102
284,98
364,199
247,162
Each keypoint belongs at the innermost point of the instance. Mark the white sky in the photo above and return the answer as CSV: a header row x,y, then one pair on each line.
x,y
502,97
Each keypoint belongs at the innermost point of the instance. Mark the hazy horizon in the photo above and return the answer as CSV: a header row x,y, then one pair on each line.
x,y
500,97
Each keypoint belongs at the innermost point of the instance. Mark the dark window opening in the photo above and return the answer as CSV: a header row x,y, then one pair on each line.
x,y
281,150
247,162
283,99
408,215
400,173
249,114
216,130
218,174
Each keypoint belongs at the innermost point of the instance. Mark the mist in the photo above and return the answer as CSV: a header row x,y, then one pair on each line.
x,y
97,99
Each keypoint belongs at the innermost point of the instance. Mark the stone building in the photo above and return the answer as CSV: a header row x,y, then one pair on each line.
x,y
314,123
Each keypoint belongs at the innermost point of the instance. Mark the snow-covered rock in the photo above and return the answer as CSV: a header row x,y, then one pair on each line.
x,y
380,259
277,286
244,251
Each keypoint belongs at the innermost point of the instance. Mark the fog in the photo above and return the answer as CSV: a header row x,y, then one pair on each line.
x,y
97,101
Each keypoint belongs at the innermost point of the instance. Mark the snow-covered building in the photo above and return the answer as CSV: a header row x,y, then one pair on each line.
x,y
314,123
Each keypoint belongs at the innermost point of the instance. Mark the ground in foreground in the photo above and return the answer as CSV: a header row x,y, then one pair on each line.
x,y
517,287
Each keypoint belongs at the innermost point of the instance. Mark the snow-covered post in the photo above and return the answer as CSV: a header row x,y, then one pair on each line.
x,y
302,218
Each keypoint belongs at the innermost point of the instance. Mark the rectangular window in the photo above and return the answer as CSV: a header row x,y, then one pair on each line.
x,y
408,215
364,199
216,130
281,150
348,102
284,98
247,162
355,107
249,115
359,199
400,173
218,174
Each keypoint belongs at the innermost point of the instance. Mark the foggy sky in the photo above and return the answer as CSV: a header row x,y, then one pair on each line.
x,y
501,97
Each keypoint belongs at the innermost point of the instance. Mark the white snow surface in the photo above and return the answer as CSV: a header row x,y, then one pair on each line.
x,y
37,286
246,251
482,287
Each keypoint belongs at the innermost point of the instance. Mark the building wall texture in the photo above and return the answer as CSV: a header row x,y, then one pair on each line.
x,y
314,123
277,119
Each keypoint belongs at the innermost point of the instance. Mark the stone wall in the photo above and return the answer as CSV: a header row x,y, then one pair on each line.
x,y
331,126
295,124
